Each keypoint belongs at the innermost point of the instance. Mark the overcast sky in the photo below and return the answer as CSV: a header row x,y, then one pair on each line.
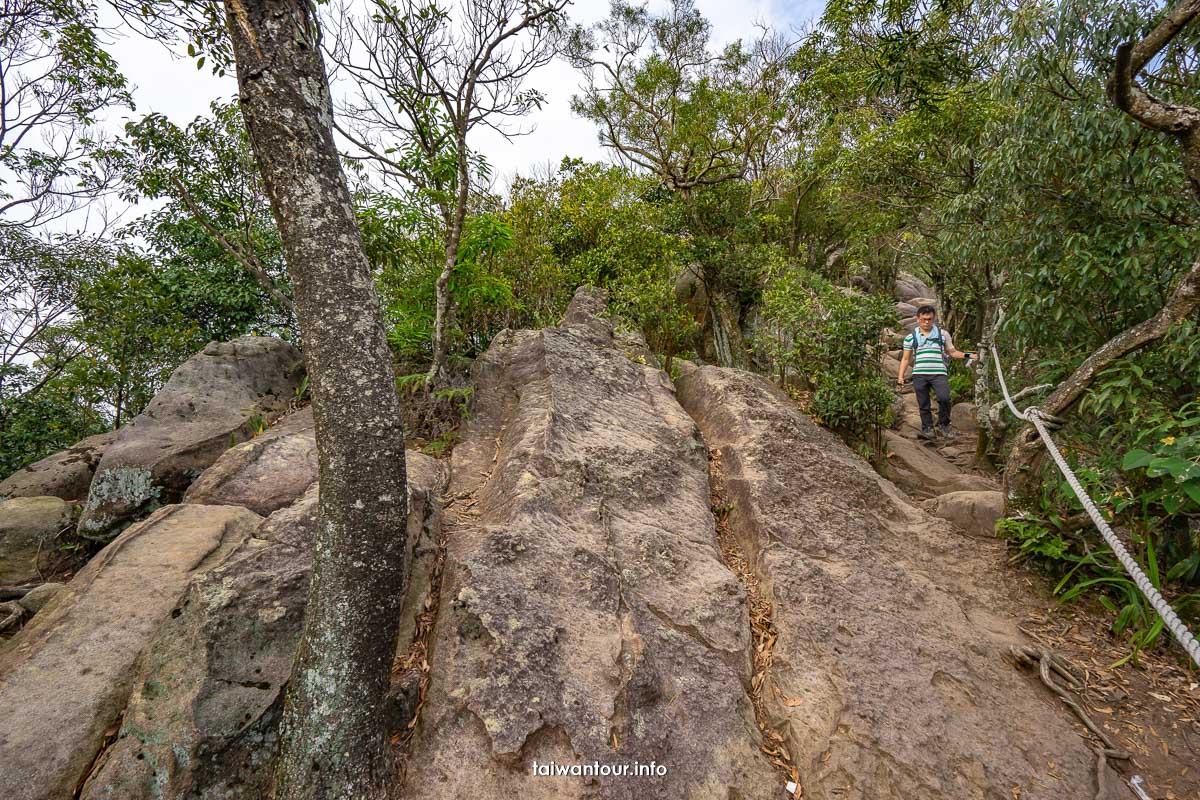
x,y
174,87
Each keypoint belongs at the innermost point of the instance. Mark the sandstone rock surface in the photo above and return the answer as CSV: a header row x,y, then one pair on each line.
x,y
963,417
208,404
28,527
909,288
923,472
974,513
66,474
890,678
265,474
585,613
203,717
65,677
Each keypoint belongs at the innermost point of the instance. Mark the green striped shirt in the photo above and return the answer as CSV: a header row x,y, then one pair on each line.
x,y
927,359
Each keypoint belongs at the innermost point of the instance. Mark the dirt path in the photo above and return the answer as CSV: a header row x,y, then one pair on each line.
x,y
1150,709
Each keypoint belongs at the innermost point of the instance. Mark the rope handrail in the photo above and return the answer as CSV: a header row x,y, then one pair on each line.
x,y
1170,619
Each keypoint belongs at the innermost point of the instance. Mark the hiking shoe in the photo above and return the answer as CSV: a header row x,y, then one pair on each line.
x,y
927,434
946,431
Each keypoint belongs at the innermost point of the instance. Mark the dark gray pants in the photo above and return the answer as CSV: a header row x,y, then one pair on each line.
x,y
941,387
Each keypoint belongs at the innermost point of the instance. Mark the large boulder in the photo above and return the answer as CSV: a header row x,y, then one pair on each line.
x,y
203,718
586,615
28,528
213,400
909,288
265,474
66,474
66,676
891,366
889,676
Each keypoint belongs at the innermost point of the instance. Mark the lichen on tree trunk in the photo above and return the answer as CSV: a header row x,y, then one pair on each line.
x,y
723,335
334,739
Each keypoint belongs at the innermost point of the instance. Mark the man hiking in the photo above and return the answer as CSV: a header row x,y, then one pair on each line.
x,y
928,346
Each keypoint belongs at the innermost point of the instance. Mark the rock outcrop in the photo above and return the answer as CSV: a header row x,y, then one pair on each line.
x,y
585,615
889,678
265,474
209,403
911,289
203,717
65,677
66,474
28,527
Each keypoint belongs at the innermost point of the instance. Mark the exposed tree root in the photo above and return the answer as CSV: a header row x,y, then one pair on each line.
x,y
762,625
10,614
1047,662
17,592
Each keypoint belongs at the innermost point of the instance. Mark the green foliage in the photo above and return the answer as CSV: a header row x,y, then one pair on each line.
x,y
962,382
1055,536
36,426
57,79
406,243
1169,466
1034,540
830,337
1078,199
215,242
599,225
668,104
1134,617
133,337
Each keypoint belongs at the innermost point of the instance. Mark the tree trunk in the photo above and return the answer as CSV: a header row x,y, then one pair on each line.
x,y
990,320
334,738
1021,473
725,345
453,237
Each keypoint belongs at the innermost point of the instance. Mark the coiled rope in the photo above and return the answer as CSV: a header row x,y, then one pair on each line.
x,y
1170,619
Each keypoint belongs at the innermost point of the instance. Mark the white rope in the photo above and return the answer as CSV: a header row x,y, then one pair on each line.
x,y
1170,619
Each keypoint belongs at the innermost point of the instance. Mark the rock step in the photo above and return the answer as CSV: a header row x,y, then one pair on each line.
x,y
66,474
890,676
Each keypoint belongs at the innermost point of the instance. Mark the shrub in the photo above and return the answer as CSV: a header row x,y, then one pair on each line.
x,y
830,337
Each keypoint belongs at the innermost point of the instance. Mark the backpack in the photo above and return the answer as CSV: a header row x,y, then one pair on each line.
x,y
935,336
